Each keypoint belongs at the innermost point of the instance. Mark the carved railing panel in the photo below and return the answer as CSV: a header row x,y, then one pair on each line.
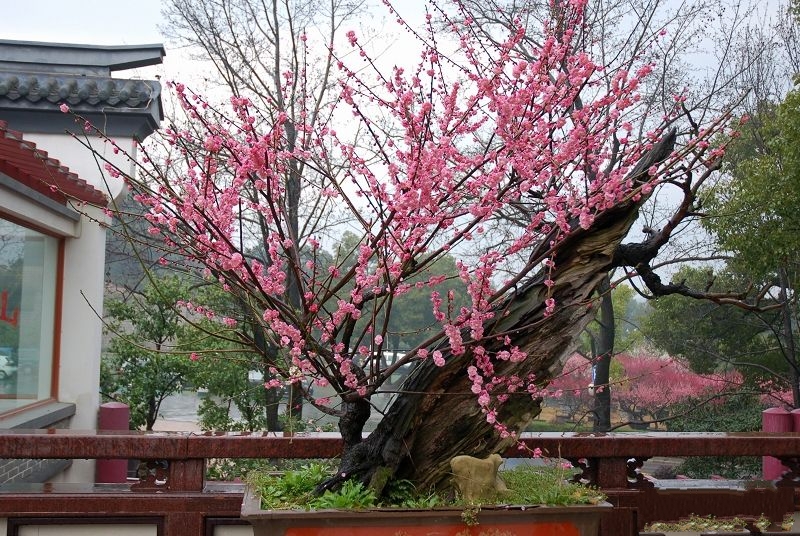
x,y
637,480
153,475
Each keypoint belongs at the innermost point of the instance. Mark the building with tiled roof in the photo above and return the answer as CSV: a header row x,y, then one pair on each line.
x,y
52,226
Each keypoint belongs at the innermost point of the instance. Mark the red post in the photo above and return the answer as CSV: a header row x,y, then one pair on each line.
x,y
775,420
112,416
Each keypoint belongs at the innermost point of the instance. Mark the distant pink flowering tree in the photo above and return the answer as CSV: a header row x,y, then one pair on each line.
x,y
572,388
419,162
654,384
650,387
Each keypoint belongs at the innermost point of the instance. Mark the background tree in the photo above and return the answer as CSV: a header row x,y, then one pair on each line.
x,y
235,398
252,45
713,336
736,412
647,387
613,331
140,367
652,386
756,221
571,390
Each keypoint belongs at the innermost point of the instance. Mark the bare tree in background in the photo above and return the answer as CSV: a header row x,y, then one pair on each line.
x,y
252,45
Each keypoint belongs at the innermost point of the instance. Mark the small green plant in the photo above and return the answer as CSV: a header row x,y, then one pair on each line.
x,y
292,489
470,515
231,469
546,484
404,494
292,424
352,495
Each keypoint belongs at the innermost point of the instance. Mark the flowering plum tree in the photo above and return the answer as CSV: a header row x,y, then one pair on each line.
x,y
418,163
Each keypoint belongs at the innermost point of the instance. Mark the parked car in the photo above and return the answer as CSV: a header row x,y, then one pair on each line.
x,y
7,369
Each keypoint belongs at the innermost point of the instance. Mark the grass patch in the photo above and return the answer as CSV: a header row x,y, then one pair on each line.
x,y
548,484
527,484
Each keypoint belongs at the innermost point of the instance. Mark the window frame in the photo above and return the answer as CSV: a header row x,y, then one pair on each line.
x,y
55,357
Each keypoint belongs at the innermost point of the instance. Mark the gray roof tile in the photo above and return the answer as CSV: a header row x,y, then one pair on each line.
x,y
85,92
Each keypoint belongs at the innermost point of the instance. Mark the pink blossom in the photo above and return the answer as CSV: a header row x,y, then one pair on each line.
x,y
550,306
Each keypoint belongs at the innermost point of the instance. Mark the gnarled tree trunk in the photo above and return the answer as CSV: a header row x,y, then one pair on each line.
x,y
437,416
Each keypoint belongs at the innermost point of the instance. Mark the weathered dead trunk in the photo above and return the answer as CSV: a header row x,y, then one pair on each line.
x,y
437,416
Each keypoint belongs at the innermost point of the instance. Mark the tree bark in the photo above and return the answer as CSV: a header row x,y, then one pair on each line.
x,y
602,359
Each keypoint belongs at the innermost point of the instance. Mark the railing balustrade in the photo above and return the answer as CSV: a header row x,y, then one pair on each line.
x,y
173,496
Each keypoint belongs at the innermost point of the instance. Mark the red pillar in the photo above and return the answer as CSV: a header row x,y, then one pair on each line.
x,y
113,416
775,420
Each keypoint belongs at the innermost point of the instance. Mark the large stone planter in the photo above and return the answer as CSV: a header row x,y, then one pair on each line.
x,y
516,521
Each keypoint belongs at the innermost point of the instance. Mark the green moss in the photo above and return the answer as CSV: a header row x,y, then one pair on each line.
x,y
548,484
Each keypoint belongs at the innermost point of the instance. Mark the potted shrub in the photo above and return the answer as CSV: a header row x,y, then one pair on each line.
x,y
464,207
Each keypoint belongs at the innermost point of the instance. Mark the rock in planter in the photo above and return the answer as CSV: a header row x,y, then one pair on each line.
x,y
477,479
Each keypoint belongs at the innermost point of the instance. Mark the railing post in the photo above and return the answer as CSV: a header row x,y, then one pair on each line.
x,y
186,475
112,416
612,473
774,420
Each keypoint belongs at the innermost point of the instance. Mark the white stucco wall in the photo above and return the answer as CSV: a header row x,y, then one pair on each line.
x,y
83,285
82,332
81,160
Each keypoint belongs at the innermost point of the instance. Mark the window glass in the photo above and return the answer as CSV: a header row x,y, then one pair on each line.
x,y
28,264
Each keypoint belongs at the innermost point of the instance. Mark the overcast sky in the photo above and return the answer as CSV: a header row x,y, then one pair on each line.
x,y
97,22
101,22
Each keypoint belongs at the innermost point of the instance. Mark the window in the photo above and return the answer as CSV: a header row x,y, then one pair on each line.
x,y
28,271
